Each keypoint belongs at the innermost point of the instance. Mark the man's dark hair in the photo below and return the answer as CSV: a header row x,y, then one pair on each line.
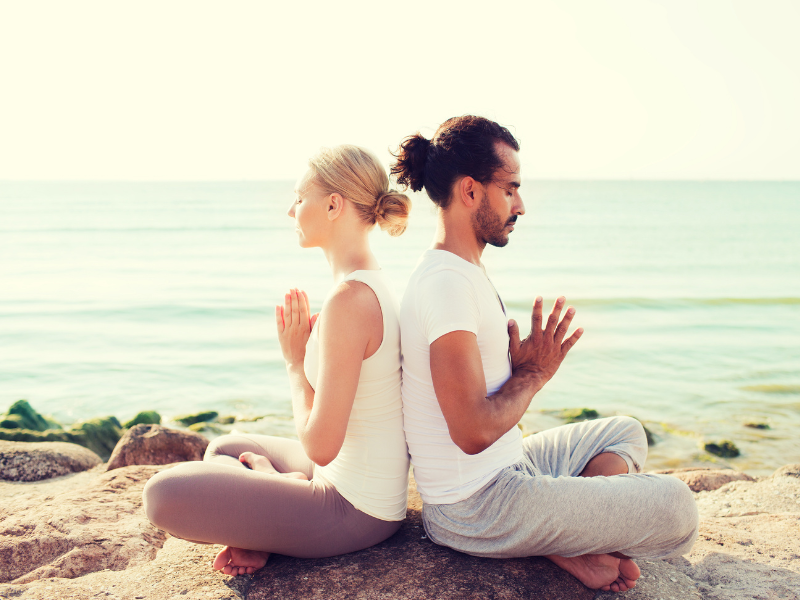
x,y
461,147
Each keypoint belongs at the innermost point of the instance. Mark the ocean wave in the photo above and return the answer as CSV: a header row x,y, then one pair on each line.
x,y
773,388
660,303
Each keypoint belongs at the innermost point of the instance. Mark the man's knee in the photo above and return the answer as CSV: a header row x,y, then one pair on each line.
x,y
679,514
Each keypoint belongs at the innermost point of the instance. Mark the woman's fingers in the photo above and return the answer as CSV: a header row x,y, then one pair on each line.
x,y
295,308
304,310
287,310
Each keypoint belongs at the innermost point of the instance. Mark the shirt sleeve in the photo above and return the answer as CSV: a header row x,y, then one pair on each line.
x,y
447,302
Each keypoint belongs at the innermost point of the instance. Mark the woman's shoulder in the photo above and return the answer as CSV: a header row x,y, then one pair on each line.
x,y
351,299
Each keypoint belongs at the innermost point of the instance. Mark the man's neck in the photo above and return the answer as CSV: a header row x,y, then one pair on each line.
x,y
457,237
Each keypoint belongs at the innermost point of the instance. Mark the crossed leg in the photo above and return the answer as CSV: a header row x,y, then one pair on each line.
x,y
609,572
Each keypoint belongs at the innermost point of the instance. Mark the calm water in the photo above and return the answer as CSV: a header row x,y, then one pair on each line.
x,y
118,297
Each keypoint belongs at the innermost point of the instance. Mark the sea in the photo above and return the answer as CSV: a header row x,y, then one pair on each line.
x,y
117,297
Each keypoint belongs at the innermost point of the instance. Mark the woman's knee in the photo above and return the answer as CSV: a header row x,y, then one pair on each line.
x,y
163,499
225,445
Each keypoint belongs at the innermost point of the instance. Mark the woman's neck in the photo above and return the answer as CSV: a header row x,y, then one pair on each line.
x,y
350,253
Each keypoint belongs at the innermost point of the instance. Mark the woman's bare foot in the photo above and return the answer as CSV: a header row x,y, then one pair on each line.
x,y
256,462
601,571
237,561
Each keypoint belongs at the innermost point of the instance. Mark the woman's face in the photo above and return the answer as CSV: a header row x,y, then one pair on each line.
x,y
309,211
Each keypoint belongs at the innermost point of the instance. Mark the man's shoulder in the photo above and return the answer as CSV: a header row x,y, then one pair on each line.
x,y
440,268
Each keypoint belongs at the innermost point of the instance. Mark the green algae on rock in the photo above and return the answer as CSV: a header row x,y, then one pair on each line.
x,y
725,449
205,427
199,417
98,435
574,415
754,425
24,416
148,417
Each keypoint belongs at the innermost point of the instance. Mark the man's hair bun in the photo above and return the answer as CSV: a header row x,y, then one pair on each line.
x,y
410,165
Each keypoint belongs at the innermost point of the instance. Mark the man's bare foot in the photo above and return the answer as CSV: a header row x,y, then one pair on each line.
x,y
256,462
237,561
601,571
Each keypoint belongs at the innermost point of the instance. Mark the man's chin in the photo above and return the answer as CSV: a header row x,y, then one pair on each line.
x,y
498,242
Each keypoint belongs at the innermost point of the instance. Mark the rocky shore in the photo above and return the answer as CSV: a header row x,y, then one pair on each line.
x,y
72,526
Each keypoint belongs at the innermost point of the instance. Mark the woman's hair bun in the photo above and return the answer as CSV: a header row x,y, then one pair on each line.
x,y
409,168
391,212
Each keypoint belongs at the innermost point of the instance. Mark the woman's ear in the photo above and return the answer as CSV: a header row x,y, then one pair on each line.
x,y
335,206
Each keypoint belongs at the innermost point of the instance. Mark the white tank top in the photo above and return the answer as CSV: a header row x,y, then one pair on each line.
x,y
371,469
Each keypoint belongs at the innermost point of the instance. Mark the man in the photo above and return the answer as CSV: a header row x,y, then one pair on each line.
x,y
574,494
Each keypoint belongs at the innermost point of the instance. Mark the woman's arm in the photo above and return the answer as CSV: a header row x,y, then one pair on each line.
x,y
350,329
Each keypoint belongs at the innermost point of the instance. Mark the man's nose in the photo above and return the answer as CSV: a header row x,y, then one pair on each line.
x,y
519,208
290,212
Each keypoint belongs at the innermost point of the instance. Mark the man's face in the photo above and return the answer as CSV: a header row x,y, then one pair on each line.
x,y
501,203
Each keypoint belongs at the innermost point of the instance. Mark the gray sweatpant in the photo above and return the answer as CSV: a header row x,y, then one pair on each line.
x,y
220,501
540,507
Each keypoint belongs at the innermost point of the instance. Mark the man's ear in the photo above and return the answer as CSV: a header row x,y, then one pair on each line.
x,y
469,191
335,206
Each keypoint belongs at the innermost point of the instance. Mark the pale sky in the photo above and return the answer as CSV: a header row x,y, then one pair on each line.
x,y
593,89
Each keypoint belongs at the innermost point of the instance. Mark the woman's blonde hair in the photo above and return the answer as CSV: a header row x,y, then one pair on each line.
x,y
357,174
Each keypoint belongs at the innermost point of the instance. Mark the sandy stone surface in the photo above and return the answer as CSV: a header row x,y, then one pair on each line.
x,y
147,444
35,461
78,531
706,480
749,548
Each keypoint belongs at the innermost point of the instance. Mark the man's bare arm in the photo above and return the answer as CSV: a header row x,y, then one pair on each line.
x,y
476,420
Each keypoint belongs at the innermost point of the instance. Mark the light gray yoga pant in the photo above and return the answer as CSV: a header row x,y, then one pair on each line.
x,y
220,501
540,506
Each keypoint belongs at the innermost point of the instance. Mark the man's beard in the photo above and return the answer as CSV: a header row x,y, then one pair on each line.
x,y
488,227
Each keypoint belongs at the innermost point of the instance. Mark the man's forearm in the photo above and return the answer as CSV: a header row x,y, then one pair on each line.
x,y
507,405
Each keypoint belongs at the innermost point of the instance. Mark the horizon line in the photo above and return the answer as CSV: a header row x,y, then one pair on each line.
x,y
538,179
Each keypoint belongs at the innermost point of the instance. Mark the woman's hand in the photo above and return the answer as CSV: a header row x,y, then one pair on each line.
x,y
294,326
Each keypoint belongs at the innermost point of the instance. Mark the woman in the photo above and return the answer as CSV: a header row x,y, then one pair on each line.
x,y
342,487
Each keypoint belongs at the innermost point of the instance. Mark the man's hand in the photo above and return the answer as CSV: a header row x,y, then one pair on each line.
x,y
538,356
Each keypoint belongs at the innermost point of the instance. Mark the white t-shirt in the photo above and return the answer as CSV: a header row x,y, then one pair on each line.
x,y
371,469
446,293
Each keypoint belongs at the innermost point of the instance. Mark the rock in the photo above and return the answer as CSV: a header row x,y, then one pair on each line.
x,y
99,526
199,417
156,445
706,479
205,428
148,417
25,416
725,449
749,553
408,565
749,539
226,420
98,435
24,461
754,425
573,415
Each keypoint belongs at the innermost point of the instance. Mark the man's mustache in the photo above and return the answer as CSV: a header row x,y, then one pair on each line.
x,y
512,220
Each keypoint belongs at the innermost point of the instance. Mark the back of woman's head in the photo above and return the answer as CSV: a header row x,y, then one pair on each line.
x,y
357,175
461,147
